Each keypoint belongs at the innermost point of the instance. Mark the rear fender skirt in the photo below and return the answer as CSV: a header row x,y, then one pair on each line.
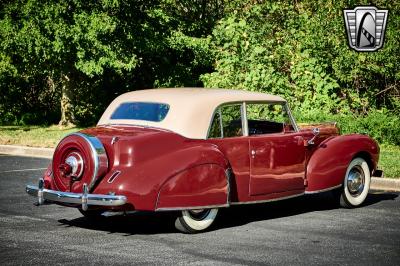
x,y
327,165
202,186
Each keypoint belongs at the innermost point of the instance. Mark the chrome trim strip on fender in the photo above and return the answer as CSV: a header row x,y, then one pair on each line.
x,y
269,200
113,176
81,199
192,208
323,190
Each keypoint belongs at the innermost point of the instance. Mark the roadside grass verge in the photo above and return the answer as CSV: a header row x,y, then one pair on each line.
x,y
42,136
389,161
34,136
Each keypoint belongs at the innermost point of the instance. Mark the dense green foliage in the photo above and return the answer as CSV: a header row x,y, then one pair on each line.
x,y
300,51
88,52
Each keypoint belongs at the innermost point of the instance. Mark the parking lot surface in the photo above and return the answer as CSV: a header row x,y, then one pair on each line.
x,y
301,231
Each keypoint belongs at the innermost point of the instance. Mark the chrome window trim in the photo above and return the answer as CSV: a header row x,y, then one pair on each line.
x,y
220,123
244,115
218,109
285,107
292,120
245,123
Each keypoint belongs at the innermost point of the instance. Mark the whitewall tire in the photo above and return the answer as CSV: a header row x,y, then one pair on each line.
x,y
194,221
356,183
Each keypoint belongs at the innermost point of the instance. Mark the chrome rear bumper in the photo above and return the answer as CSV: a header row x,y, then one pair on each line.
x,y
84,199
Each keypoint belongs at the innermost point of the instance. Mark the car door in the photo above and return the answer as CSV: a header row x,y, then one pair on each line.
x,y
277,152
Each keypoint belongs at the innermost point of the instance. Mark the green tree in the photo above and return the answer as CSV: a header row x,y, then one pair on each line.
x,y
299,50
61,41
84,53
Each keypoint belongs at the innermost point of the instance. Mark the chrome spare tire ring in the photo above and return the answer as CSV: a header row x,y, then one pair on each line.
x,y
99,156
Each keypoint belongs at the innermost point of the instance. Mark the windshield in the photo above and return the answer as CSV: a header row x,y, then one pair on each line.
x,y
154,112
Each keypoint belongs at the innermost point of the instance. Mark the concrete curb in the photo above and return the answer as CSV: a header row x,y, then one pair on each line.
x,y
27,151
385,184
376,182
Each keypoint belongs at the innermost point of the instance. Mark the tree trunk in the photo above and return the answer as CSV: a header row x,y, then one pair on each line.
x,y
67,110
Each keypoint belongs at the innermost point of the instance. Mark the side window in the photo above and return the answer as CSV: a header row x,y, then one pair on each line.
x,y
231,120
227,122
268,118
215,129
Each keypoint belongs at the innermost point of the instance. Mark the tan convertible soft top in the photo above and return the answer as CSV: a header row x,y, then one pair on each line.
x,y
191,109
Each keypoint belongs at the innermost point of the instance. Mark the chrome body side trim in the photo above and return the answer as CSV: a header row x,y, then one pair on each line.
x,y
193,208
323,190
269,200
99,156
81,199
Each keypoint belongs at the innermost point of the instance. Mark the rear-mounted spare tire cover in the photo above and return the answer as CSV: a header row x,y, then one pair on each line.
x,y
78,159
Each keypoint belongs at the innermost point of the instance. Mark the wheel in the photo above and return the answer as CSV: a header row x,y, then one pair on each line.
x,y
356,184
92,214
194,221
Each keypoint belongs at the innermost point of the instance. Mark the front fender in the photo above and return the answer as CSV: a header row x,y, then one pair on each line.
x,y
327,165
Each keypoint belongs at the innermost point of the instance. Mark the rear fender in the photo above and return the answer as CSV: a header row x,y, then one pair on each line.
x,y
142,181
327,166
202,186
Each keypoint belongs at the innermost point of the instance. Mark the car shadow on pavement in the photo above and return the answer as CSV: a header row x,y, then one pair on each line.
x,y
143,223
147,223
244,214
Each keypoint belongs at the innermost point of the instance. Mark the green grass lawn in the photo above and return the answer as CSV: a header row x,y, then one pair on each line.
x,y
41,136
33,136
389,161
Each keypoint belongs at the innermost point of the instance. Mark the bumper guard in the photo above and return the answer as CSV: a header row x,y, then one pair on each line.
x,y
84,198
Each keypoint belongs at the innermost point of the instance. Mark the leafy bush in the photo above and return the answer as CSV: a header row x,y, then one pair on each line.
x,y
382,125
89,53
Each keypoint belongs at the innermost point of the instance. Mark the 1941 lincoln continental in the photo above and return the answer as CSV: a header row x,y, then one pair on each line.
x,y
195,150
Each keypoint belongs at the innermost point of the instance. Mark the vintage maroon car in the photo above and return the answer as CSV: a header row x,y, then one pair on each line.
x,y
196,150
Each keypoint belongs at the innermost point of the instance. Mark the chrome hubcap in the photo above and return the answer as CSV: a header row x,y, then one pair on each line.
x,y
199,214
75,161
355,181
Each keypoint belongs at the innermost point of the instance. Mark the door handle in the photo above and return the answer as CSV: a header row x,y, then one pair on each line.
x,y
253,153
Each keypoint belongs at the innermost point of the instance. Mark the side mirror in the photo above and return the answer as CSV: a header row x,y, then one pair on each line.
x,y
315,131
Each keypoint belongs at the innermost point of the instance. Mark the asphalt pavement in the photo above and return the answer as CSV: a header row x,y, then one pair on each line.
x,y
301,231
